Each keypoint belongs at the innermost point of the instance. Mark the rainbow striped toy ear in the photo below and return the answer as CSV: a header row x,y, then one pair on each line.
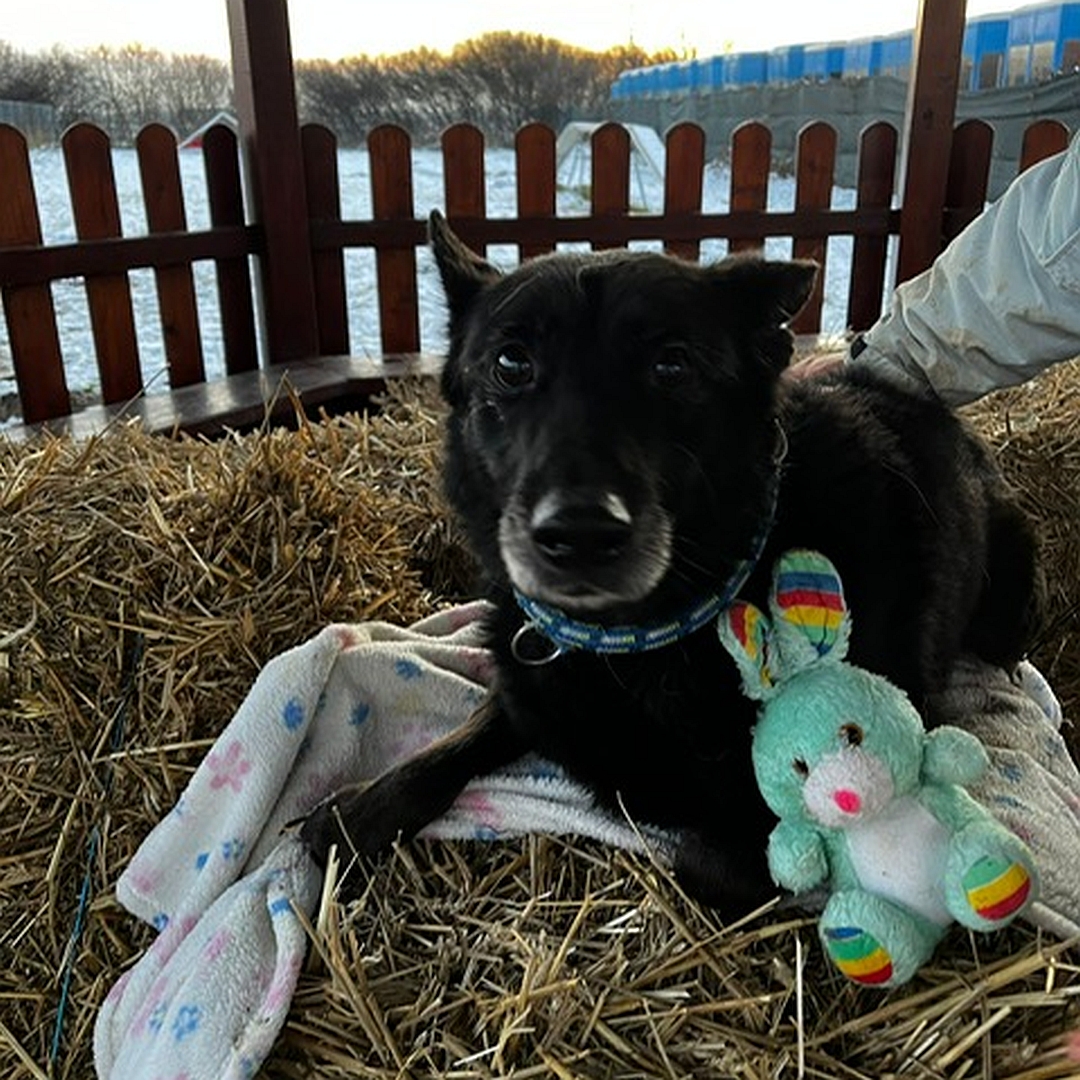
x,y
745,632
809,624
809,613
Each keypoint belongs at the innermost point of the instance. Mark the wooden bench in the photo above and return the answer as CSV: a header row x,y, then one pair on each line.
x,y
245,401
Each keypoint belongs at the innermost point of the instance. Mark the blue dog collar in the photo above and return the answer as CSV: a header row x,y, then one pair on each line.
x,y
567,633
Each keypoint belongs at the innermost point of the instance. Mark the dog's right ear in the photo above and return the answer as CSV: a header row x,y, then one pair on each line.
x,y
767,292
463,272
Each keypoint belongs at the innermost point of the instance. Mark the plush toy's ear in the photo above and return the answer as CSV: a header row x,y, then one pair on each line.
x,y
744,631
809,612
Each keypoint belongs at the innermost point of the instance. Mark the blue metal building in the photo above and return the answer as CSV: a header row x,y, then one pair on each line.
x,y
1031,44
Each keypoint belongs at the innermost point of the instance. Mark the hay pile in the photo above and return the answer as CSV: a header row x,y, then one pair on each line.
x,y
1035,429
145,582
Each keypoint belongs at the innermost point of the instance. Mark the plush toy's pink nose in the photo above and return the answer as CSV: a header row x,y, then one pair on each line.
x,y
848,801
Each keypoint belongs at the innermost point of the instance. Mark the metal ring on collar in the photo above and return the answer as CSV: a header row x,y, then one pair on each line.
x,y
519,646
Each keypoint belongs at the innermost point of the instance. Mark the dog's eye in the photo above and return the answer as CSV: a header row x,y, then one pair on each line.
x,y
801,768
671,366
513,368
852,734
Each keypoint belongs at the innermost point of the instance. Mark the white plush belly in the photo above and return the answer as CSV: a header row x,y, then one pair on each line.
x,y
901,855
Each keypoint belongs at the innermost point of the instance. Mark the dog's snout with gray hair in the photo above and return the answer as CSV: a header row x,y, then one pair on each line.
x,y
585,547
581,528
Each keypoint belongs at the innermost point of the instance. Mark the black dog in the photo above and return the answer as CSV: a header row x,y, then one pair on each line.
x,y
625,458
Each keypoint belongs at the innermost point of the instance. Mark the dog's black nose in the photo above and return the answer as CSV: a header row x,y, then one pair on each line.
x,y
587,528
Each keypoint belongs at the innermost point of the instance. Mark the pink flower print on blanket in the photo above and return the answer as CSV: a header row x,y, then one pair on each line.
x,y
457,618
281,988
228,767
406,740
479,665
144,878
478,808
149,1017
218,944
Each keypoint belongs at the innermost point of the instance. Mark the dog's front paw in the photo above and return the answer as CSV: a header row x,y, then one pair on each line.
x,y
734,882
355,821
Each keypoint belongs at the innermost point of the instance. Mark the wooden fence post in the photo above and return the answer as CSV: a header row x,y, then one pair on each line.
x,y
928,130
265,96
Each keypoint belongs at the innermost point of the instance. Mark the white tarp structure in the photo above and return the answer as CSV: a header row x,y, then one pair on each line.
x,y
573,156
194,140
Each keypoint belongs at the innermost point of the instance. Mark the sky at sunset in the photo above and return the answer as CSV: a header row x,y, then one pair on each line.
x,y
332,29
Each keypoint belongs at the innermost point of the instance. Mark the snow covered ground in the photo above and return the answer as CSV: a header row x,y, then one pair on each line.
x,y
70,298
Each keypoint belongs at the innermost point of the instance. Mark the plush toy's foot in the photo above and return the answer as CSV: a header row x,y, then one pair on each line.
x,y
872,941
996,890
859,955
991,877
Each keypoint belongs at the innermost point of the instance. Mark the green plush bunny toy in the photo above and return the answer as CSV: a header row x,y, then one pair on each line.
x,y
869,802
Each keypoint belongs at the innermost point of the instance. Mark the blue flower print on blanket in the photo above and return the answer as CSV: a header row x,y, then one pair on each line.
x,y
408,670
292,716
186,1022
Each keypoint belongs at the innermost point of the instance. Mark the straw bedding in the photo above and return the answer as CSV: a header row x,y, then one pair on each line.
x,y
145,581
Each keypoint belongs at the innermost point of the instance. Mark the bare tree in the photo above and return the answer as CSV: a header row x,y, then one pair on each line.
x,y
347,96
498,81
23,76
120,89
192,89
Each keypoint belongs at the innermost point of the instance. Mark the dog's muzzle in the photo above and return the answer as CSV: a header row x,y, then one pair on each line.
x,y
584,548
581,529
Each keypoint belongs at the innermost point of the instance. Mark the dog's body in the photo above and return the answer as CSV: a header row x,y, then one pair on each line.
x,y
620,446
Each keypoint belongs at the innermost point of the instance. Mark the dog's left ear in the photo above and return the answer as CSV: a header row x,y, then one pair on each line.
x,y
768,293
463,272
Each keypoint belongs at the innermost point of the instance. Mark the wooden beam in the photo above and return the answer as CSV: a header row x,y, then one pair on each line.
x,y
118,254
928,131
265,97
613,230
247,400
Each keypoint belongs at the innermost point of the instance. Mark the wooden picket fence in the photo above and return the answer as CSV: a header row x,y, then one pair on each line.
x,y
101,256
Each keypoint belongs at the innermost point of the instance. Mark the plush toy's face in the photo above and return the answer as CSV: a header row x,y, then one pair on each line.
x,y
836,747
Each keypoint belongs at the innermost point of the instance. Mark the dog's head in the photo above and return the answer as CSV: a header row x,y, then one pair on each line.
x,y
611,428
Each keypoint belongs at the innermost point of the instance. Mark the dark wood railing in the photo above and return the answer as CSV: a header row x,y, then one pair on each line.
x,y
102,256
287,215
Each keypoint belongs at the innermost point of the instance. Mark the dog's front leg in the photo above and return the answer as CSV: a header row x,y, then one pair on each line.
x,y
731,873
366,819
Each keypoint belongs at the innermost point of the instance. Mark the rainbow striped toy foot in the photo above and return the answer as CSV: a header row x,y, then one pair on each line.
x,y
874,942
996,888
859,955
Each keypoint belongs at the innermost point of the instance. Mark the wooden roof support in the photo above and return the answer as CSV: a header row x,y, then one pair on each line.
x,y
265,97
928,132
